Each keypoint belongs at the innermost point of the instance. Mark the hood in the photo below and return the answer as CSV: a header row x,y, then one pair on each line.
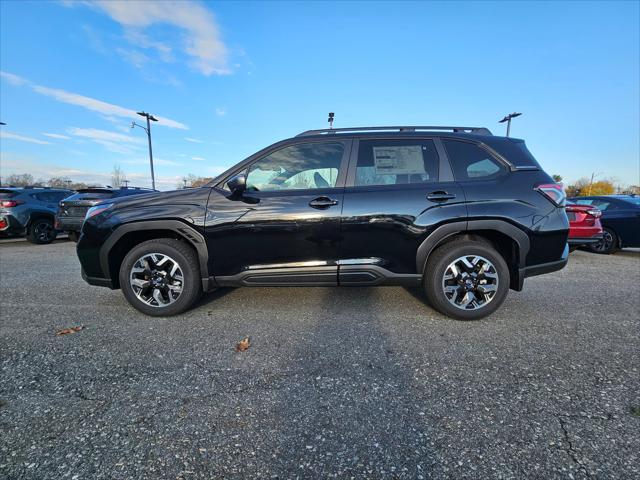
x,y
175,197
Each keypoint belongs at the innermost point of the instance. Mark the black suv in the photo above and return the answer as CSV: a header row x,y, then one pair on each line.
x,y
72,210
461,213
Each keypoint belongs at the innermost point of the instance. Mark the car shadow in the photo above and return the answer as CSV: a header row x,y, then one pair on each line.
x,y
350,409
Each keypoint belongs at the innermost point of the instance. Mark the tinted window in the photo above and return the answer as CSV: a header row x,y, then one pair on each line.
x,y
470,162
632,200
7,193
601,204
96,195
394,162
302,166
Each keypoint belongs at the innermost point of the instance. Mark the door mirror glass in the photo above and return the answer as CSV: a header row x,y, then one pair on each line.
x,y
237,184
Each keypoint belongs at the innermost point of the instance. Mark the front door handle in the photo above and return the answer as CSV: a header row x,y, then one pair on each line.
x,y
440,196
323,202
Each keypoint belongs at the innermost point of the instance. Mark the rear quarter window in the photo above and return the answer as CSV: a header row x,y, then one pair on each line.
x,y
471,162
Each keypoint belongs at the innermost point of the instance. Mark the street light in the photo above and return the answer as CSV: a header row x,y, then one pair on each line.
x,y
147,129
508,120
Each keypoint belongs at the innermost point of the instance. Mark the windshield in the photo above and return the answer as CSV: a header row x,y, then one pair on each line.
x,y
92,195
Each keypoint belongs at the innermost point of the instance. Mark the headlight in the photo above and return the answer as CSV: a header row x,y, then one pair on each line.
x,y
93,211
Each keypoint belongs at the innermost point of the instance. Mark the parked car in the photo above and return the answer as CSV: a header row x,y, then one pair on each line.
x,y
584,225
30,211
620,221
456,211
72,210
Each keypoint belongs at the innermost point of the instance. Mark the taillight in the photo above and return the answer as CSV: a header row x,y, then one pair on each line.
x,y
554,192
10,203
594,212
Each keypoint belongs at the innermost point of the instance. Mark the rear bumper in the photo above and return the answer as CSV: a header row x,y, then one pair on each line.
x,y
542,268
10,225
97,281
577,241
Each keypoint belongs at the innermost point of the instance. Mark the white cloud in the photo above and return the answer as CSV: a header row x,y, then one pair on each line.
x,y
193,140
156,161
56,135
202,42
12,163
197,159
96,134
22,138
134,57
221,112
112,141
13,79
92,104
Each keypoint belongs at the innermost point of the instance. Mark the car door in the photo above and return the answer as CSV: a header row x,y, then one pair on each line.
x,y
285,228
398,191
622,217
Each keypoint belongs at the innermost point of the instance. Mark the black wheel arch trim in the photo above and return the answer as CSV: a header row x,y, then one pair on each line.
x,y
448,229
183,230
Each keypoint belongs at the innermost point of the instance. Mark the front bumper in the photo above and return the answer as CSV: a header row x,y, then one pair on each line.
x,y
69,224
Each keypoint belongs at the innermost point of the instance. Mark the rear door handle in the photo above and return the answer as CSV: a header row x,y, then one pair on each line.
x,y
323,202
440,196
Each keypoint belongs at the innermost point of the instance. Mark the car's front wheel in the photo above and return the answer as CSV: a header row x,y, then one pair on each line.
x,y
466,279
41,231
161,277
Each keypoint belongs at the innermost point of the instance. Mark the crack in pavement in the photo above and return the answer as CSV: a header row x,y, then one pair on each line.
x,y
573,454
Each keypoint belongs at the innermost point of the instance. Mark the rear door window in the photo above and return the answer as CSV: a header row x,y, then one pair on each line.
x,y
470,162
396,162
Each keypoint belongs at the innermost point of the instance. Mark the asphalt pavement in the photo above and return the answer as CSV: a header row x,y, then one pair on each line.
x,y
337,382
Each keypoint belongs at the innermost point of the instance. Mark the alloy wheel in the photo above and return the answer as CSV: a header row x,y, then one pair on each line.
x,y
605,244
470,282
43,231
156,279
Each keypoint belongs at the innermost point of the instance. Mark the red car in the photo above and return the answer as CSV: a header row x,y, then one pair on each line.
x,y
584,225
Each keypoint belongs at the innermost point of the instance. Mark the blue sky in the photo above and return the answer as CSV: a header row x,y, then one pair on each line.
x,y
229,78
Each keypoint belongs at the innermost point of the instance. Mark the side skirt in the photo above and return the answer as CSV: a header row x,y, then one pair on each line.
x,y
322,276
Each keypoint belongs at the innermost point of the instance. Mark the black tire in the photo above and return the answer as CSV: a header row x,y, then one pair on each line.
x,y
608,244
482,306
74,236
41,231
179,253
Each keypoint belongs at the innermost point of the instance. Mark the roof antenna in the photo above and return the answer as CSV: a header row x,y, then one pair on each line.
x,y
330,120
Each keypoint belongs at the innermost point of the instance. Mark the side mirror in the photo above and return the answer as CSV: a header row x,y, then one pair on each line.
x,y
237,184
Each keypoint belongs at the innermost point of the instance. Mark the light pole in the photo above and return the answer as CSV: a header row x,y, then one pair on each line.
x,y
150,118
507,119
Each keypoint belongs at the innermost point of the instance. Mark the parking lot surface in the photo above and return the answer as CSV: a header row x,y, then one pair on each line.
x,y
351,382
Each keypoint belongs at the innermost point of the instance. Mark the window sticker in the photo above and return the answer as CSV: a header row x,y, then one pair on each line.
x,y
398,160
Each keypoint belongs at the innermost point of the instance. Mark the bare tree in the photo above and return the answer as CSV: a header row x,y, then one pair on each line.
x,y
193,181
117,176
19,180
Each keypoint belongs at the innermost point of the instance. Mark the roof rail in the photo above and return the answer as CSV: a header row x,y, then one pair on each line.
x,y
325,131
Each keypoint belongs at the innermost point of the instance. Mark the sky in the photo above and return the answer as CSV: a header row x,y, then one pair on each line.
x,y
226,79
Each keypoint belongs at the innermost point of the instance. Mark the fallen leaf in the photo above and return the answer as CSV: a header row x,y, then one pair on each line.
x,y
66,331
243,344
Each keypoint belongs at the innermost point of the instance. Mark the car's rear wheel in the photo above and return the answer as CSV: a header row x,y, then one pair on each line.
x,y
466,279
41,231
608,244
161,277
